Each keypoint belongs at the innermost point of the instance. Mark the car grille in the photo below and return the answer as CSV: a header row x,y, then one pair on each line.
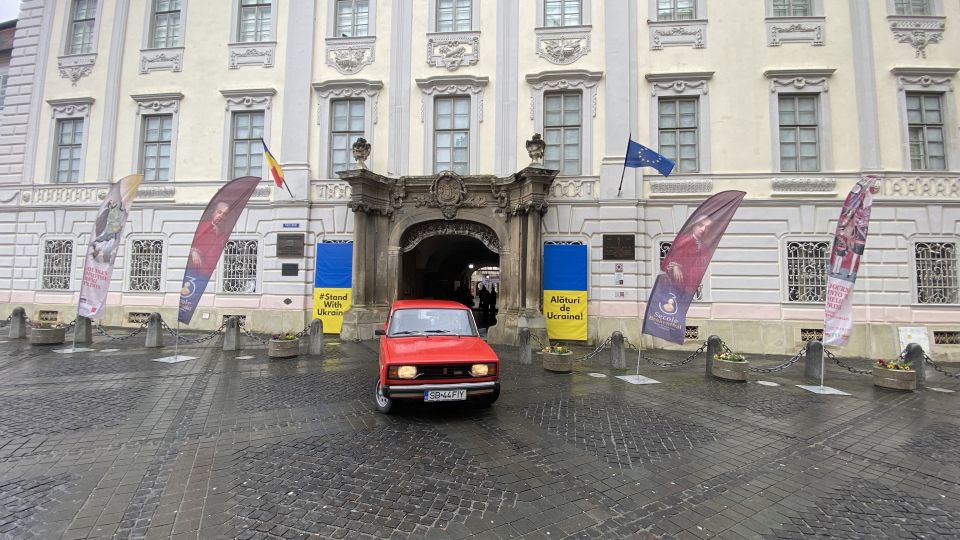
x,y
444,371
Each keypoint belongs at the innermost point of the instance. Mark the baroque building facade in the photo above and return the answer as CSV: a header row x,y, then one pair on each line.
x,y
792,101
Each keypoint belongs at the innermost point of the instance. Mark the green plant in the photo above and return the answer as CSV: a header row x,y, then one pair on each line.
x,y
895,365
46,325
286,336
730,356
556,349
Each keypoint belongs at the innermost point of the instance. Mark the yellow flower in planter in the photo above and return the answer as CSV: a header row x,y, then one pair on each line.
x,y
286,336
895,365
556,349
730,356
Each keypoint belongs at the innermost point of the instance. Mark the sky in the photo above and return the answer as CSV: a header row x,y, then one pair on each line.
x,y
9,9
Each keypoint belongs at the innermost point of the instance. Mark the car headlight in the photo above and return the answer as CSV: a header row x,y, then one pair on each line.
x,y
402,372
483,370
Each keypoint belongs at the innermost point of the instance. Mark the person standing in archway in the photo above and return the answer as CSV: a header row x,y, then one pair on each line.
x,y
484,297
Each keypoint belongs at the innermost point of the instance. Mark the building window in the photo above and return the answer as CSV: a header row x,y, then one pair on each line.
x,y
346,126
677,137
807,271
452,134
240,266
157,139
57,262
664,251
4,79
255,20
799,148
912,7
936,272
69,145
83,15
146,265
353,18
562,12
676,10
166,24
792,8
562,121
925,125
246,148
454,15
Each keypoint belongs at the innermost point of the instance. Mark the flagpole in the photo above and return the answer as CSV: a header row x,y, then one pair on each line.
x,y
288,188
176,343
623,170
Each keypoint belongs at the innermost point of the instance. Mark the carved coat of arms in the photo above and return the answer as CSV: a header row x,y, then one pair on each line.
x,y
448,192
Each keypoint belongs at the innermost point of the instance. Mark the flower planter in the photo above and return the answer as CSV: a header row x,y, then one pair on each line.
x,y
283,348
47,336
558,362
894,378
731,371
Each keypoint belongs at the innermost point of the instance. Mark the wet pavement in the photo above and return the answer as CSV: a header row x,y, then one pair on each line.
x,y
233,445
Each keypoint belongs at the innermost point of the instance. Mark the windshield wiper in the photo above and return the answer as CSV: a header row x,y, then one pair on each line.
x,y
406,332
439,332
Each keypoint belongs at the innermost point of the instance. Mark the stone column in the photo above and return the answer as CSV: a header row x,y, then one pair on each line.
x,y
813,360
294,150
82,331
714,347
618,356
154,331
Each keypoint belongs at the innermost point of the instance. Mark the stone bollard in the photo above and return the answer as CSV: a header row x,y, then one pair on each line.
x,y
618,357
523,337
714,347
155,330
231,334
914,355
18,323
82,330
813,360
316,337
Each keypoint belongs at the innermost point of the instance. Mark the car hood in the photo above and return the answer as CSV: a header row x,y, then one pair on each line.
x,y
438,349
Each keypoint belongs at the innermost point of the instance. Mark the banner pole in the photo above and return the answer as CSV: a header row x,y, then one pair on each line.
x,y
176,343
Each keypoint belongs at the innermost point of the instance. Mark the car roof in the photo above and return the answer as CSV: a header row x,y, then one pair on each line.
x,y
434,304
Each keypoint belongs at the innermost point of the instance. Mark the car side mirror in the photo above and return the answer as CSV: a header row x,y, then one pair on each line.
x,y
379,332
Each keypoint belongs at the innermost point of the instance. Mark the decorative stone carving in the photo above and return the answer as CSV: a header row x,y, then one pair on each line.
x,y
799,185
164,192
563,80
563,45
347,88
71,110
574,189
332,191
453,51
799,79
350,55
918,32
795,30
245,54
64,195
924,81
76,66
453,84
421,231
920,186
678,83
262,192
161,60
361,151
167,103
676,33
249,99
683,187
535,148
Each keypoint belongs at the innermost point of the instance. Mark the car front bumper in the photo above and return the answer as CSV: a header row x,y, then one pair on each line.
x,y
414,391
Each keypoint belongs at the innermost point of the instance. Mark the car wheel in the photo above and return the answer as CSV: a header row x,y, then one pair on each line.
x,y
487,401
384,404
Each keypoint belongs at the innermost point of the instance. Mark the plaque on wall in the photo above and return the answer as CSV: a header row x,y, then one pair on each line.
x,y
291,245
289,269
618,247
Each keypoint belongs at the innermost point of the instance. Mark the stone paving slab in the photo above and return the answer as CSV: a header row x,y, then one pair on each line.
x,y
113,445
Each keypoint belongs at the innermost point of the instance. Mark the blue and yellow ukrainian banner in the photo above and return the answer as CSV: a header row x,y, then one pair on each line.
x,y
332,291
565,291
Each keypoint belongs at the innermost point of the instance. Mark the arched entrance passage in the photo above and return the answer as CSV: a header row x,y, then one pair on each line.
x,y
438,258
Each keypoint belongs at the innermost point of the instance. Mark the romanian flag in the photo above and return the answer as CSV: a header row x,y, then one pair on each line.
x,y
275,169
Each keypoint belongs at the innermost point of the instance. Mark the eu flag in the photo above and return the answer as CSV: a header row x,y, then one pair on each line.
x,y
639,155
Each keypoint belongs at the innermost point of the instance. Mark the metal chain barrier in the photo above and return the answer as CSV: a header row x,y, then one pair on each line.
x,y
201,339
796,358
595,352
934,365
683,362
851,369
6,321
69,326
104,333
541,345
251,335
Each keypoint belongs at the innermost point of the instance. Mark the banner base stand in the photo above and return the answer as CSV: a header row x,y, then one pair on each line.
x,y
825,390
246,357
943,390
108,350
174,359
637,379
597,375
768,383
72,350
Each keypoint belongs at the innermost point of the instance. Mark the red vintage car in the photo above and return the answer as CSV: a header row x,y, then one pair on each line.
x,y
430,350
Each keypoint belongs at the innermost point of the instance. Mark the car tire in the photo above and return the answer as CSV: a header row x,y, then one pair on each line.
x,y
487,401
383,403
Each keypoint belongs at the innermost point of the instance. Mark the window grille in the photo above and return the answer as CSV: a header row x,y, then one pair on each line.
x,y
792,8
811,334
561,131
146,265
166,23
925,119
912,7
255,19
561,12
57,262
936,272
454,15
946,337
676,10
692,332
337,242
240,266
678,136
563,243
799,133
353,18
346,126
82,18
664,250
4,79
137,317
807,271
155,154
69,141
247,152
48,316
452,135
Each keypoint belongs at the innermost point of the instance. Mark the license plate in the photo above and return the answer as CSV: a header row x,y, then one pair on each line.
x,y
444,395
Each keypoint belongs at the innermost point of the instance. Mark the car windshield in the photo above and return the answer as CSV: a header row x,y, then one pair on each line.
x,y
432,322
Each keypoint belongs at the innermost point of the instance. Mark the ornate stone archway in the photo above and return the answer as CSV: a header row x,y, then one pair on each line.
x,y
392,215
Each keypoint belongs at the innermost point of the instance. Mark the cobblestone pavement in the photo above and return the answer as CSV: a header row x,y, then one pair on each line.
x,y
233,445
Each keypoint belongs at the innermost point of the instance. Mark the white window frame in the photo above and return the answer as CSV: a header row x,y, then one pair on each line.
x,y
575,79
128,273
63,109
798,128
161,58
453,99
915,293
943,126
444,86
42,263
244,101
77,66
330,132
336,22
684,85
258,287
795,29
784,262
332,21
68,34
251,53
930,81
157,104
664,34
4,81
816,10
563,127
700,13
151,27
345,89
677,129
936,9
433,12
585,15
802,81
